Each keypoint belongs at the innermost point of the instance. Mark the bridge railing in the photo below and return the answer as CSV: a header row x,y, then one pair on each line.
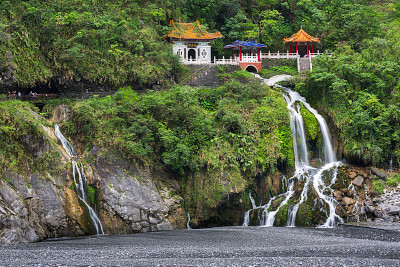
x,y
288,55
226,61
278,55
247,58
194,61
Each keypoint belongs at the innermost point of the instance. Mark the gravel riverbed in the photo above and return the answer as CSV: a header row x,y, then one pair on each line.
x,y
225,246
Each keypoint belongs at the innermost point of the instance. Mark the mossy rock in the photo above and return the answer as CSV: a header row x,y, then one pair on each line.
x,y
281,216
312,130
304,215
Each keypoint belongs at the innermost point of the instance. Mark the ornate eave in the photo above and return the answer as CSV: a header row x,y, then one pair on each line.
x,y
191,31
301,37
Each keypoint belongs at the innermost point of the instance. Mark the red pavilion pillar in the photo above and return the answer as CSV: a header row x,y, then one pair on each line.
x,y
233,53
240,53
312,48
290,48
308,52
297,51
258,54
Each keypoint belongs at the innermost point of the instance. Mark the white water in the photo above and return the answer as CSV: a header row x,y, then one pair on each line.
x,y
246,218
356,208
275,79
188,221
79,178
303,171
270,219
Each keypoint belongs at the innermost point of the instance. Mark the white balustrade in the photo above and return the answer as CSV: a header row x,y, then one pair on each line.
x,y
250,58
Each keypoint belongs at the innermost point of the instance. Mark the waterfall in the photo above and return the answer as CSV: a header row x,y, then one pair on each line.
x,y
298,133
253,202
295,97
246,218
80,180
391,164
188,221
312,177
356,208
270,219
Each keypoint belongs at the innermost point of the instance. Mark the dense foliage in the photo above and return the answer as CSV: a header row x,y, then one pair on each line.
x,y
227,134
122,42
24,146
113,42
359,90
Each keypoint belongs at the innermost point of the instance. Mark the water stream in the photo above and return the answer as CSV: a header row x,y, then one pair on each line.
x,y
80,180
318,178
188,221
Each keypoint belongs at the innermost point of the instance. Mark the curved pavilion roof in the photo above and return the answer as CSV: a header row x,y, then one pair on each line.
x,y
191,31
245,44
301,37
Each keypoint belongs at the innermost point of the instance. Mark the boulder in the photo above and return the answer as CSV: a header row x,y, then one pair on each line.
x,y
344,190
338,195
389,219
352,175
340,211
393,210
358,181
378,214
368,203
377,200
378,173
370,210
347,201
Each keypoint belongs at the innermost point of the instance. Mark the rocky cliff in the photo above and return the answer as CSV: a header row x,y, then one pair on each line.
x,y
41,203
37,205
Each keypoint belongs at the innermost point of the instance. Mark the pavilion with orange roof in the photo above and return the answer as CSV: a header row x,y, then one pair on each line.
x,y
302,38
191,42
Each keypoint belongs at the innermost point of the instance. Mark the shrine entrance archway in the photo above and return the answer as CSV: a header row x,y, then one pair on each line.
x,y
192,54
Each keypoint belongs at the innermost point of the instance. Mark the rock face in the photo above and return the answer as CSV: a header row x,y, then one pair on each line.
x,y
32,208
61,113
131,201
36,206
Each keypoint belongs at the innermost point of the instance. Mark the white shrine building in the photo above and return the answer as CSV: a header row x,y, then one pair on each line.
x,y
191,42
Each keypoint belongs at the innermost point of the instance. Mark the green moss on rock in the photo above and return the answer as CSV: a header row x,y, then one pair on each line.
x,y
304,215
281,216
313,131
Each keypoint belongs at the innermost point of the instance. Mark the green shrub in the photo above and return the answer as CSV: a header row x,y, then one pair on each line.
x,y
393,180
378,186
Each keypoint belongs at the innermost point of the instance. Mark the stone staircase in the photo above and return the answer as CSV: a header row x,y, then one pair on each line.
x,y
304,64
205,75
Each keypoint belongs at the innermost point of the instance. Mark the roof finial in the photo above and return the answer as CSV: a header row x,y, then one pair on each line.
x,y
301,27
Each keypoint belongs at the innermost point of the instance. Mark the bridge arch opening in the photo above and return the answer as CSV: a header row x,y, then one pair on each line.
x,y
251,68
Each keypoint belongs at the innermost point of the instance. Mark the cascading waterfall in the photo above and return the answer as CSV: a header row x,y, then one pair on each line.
x,y
246,216
188,221
270,218
356,208
80,180
303,171
391,164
